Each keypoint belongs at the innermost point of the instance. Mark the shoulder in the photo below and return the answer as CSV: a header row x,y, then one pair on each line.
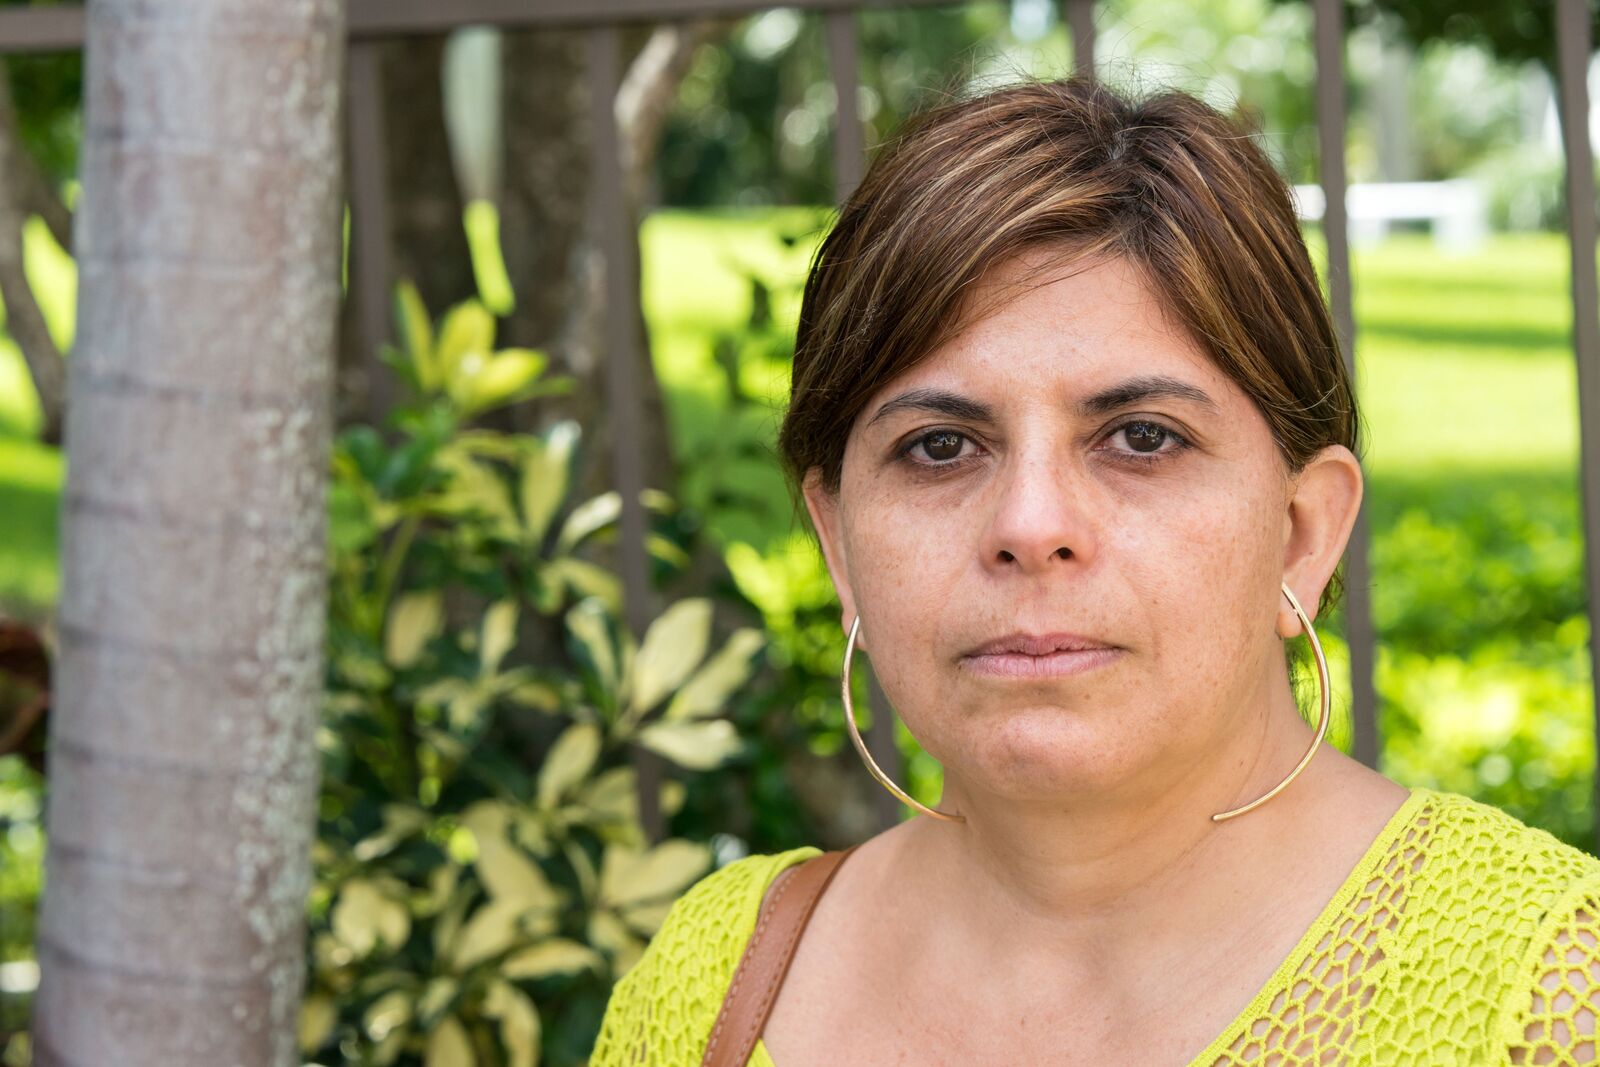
x,y
1549,1013
715,916
1528,904
663,1007
1480,870
1475,841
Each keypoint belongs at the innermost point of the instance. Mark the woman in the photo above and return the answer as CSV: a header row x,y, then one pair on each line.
x,y
1071,422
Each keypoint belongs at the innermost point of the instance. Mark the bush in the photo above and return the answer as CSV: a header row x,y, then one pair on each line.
x,y
481,877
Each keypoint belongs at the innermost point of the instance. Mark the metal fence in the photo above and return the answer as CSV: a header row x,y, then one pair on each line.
x,y
61,28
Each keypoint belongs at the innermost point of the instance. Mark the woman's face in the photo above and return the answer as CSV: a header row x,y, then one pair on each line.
x,y
1073,463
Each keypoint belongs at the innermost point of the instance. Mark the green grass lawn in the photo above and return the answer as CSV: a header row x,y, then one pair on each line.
x,y
1465,361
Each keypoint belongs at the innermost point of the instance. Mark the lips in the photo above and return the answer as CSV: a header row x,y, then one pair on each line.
x,y
1038,644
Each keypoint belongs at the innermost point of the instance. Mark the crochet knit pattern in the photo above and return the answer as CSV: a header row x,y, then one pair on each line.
x,y
1463,936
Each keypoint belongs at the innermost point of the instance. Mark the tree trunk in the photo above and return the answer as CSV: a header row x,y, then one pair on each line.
x,y
183,771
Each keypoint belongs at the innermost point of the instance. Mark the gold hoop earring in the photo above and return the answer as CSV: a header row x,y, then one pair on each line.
x,y
1322,726
861,746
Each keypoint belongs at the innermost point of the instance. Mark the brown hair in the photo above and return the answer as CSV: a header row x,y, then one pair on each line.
x,y
1168,181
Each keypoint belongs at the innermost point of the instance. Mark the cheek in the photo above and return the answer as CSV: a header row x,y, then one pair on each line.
x,y
906,592
908,597
1205,569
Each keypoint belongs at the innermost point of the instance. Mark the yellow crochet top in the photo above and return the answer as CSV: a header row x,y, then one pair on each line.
x,y
1463,936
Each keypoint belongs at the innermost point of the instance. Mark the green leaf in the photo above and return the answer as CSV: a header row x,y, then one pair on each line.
x,y
350,520
568,762
503,867
441,691
491,930
416,333
586,621
608,933
442,882
545,474
399,822
555,956
448,926
665,550
499,378
535,694
402,364
673,646
498,635
318,1016
492,444
475,489
629,876
519,1023
414,620
388,1012
435,1000
696,746
657,501
587,579
593,514
529,828
449,1046
467,330
611,795
583,868
361,671
466,711
707,692
365,917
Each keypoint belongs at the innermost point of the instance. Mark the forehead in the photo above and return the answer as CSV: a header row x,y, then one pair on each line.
x,y
1036,326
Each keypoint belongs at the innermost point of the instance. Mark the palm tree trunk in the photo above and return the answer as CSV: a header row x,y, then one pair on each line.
x,y
182,770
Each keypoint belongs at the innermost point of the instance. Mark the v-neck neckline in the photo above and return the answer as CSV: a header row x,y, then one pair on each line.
x,y
1359,876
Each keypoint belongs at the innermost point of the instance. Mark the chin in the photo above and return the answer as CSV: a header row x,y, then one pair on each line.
x,y
1039,749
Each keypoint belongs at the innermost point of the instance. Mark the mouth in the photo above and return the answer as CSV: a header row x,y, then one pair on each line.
x,y
1054,655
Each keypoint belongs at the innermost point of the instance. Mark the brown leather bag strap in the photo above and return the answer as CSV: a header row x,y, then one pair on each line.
x,y
790,901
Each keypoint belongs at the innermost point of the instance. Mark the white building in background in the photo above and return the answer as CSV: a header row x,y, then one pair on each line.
x,y
1457,210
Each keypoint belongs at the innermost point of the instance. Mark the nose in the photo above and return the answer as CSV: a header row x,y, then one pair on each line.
x,y
1041,514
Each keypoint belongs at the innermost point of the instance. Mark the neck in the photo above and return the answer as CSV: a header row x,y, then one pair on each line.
x,y
1071,885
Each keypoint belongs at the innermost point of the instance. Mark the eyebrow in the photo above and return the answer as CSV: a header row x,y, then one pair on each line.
x,y
1121,395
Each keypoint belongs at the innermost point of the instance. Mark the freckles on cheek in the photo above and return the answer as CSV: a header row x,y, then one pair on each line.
x,y
909,580
1232,562
900,571
1191,562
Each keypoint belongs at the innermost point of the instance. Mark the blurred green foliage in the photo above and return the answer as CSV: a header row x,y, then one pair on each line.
x,y
481,875
1484,670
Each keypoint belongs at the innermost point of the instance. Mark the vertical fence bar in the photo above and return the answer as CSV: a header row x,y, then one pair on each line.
x,y
849,163
616,237
1574,34
849,144
1329,34
371,258
1080,22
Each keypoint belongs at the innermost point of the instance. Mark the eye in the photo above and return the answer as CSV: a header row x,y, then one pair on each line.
x,y
942,447
1146,438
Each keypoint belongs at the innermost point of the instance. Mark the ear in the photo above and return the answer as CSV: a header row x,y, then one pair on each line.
x,y
1322,511
823,507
